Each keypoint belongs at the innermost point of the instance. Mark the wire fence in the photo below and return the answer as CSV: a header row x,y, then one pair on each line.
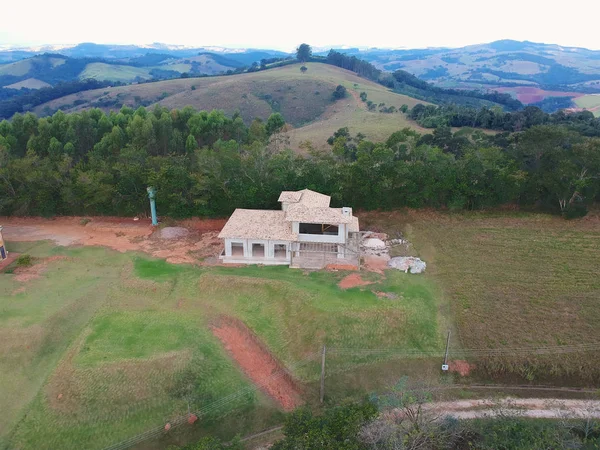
x,y
376,354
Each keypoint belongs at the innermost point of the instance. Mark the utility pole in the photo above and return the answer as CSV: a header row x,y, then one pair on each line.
x,y
323,374
152,195
445,365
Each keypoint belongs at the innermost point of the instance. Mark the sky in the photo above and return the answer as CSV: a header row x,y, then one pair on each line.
x,y
282,25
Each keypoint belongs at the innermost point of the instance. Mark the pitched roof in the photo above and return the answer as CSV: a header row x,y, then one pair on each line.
x,y
301,213
290,196
258,224
305,197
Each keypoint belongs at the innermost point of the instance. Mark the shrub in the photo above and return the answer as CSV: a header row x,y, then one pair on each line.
x,y
193,88
24,260
340,92
363,96
84,221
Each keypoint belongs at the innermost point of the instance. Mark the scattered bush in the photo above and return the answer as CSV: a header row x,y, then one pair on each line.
x,y
24,260
339,93
84,221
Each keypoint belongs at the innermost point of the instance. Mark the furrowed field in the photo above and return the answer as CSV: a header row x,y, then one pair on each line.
x,y
99,346
514,280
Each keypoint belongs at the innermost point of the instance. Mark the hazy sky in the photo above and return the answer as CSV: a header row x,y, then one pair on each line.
x,y
284,24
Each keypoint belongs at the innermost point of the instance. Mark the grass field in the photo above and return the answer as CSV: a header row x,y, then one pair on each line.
x,y
102,346
18,68
304,100
29,83
103,71
590,102
514,280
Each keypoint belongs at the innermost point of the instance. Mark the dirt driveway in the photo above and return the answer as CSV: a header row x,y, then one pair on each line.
x,y
121,234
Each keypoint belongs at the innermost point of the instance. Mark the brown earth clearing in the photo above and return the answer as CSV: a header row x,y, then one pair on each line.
x,y
257,362
122,234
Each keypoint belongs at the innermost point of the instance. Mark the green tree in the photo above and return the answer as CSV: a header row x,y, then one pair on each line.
x,y
337,428
275,123
303,52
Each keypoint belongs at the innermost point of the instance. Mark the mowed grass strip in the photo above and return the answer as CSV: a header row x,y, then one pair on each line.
x,y
126,343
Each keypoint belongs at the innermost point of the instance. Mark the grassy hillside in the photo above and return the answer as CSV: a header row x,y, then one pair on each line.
x,y
113,72
29,83
589,102
101,346
303,99
497,64
16,69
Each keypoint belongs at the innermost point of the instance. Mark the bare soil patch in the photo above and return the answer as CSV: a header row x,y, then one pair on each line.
x,y
25,274
353,280
463,368
257,362
122,234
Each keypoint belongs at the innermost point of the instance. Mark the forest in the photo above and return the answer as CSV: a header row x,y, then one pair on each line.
x,y
431,116
206,164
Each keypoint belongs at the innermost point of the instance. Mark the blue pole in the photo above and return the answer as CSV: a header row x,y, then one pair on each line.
x,y
151,196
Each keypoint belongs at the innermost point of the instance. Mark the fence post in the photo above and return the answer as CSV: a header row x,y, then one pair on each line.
x,y
323,374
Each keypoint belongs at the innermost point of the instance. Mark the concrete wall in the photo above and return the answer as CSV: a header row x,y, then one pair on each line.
x,y
2,245
248,258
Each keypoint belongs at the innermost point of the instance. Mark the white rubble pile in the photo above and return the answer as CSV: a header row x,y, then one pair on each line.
x,y
374,246
173,232
407,264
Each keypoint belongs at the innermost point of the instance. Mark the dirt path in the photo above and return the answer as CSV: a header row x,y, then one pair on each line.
x,y
120,234
523,407
256,362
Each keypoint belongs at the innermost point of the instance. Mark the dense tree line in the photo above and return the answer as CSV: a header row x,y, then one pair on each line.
x,y
207,164
25,99
431,116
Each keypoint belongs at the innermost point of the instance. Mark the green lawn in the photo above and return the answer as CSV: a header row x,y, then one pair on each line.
x,y
103,346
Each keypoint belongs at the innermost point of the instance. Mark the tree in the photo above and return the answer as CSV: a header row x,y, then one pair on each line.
x,y
303,52
275,123
303,69
337,428
340,92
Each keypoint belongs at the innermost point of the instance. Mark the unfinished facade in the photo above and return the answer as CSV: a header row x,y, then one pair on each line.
x,y
3,252
305,233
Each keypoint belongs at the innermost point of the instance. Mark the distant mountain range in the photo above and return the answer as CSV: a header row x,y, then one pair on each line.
x,y
530,71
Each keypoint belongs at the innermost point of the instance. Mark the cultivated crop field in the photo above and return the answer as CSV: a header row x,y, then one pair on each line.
x,y
514,280
97,346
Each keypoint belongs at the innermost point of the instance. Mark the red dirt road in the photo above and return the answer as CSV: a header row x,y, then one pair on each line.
x,y
257,363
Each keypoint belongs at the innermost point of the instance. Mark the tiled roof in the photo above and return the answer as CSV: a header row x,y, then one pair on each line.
x,y
258,224
305,197
290,196
301,213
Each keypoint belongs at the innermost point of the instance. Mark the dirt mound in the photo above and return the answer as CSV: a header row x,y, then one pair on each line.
x,y
172,233
353,280
257,362
463,368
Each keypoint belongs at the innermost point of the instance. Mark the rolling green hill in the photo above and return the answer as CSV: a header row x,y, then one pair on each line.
x,y
304,100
